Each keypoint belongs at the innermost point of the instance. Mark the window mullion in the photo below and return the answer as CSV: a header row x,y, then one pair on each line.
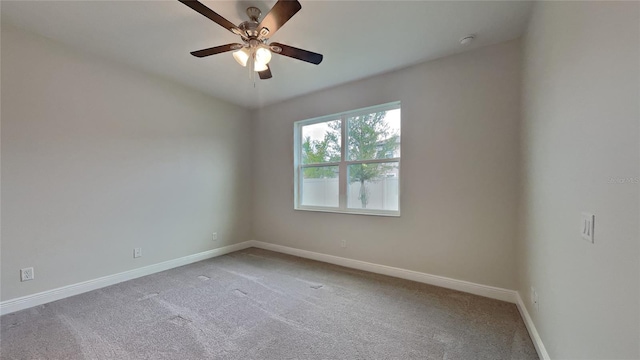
x,y
320,165
297,156
373,161
342,203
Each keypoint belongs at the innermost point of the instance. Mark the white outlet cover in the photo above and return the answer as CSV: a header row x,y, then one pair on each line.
x,y
533,295
214,236
27,274
587,226
137,252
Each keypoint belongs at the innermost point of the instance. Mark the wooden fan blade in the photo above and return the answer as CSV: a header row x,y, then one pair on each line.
x,y
216,50
213,16
266,74
296,53
279,14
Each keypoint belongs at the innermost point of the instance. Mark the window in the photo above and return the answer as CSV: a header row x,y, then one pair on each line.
x,y
349,162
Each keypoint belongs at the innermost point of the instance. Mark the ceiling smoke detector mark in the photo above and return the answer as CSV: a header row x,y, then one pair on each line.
x,y
588,226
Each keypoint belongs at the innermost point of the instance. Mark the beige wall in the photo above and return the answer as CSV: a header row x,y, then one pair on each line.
x,y
581,128
98,159
460,150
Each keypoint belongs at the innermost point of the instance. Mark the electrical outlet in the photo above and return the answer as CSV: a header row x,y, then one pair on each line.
x,y
27,274
534,299
137,252
587,226
214,236
343,243
531,297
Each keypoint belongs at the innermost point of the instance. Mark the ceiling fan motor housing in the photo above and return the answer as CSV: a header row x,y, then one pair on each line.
x,y
250,28
253,13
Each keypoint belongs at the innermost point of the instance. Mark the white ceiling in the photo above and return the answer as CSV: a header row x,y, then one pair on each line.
x,y
357,38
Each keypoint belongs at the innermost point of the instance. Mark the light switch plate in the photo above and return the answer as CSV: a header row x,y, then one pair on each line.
x,y
587,227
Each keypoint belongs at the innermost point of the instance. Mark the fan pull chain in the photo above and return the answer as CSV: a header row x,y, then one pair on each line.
x,y
252,76
252,66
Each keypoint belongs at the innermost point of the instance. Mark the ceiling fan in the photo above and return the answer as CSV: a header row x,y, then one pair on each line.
x,y
254,49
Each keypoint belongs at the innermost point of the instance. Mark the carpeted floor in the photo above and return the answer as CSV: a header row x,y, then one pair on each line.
x,y
257,304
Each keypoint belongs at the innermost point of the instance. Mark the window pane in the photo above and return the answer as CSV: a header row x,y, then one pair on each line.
x,y
320,186
373,186
321,142
374,136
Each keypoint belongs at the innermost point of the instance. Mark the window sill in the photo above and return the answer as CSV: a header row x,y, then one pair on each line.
x,y
349,212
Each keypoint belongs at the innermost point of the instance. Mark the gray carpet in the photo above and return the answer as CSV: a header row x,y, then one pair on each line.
x,y
257,304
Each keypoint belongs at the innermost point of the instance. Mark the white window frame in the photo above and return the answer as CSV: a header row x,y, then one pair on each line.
x,y
343,164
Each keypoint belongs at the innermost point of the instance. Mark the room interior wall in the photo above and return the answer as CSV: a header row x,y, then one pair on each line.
x,y
98,159
581,153
459,175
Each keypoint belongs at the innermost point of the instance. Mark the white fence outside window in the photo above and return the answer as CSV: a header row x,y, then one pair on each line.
x,y
383,194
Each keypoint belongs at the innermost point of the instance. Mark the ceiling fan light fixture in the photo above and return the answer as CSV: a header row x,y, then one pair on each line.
x,y
241,56
259,66
263,55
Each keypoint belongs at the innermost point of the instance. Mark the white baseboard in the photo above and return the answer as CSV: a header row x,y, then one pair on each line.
x,y
441,281
44,297
535,337
511,296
